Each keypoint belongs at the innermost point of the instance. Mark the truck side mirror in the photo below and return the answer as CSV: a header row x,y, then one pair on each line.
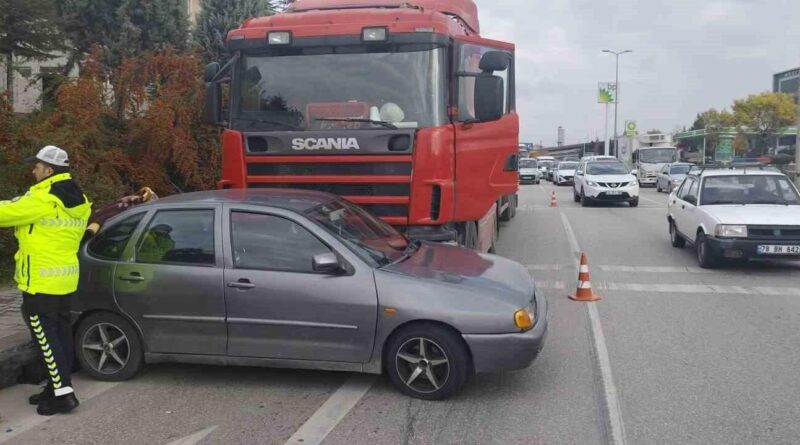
x,y
489,98
494,61
212,109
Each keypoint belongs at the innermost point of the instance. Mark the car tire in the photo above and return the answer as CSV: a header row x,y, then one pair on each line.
x,y
584,200
675,238
433,381
93,338
575,196
634,202
705,257
658,187
468,236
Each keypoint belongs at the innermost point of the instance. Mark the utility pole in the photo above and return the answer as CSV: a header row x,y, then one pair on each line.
x,y
616,98
797,141
607,148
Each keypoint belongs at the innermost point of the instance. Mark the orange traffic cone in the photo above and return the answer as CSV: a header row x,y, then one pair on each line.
x,y
584,292
553,202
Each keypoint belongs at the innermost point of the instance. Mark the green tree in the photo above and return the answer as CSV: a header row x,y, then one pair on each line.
x,y
29,29
713,122
767,114
123,28
217,17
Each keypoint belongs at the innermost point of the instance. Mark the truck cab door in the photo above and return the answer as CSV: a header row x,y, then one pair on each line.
x,y
486,146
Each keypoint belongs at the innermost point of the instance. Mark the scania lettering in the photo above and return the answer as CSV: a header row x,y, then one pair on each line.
x,y
399,106
325,144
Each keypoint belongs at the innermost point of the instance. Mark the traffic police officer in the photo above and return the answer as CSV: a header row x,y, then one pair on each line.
x,y
49,221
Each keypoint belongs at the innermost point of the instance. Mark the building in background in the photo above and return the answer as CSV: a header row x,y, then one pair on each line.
x,y
787,82
562,136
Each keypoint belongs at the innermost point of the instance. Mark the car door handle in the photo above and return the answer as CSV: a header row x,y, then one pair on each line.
x,y
244,283
683,206
134,277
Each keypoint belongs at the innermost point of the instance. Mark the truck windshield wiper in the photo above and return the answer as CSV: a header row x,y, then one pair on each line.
x,y
268,121
366,121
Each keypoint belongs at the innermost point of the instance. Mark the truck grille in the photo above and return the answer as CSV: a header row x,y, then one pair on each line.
x,y
345,189
329,169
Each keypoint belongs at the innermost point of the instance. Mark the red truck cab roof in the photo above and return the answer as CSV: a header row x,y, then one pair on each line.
x,y
313,18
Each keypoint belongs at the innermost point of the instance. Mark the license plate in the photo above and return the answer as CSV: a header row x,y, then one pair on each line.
x,y
614,193
778,250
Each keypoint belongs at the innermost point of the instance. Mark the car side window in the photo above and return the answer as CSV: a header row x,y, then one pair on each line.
x,y
178,237
691,194
685,188
267,242
109,244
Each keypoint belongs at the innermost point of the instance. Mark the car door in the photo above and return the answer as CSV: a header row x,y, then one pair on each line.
x,y
278,307
577,182
172,283
663,178
685,208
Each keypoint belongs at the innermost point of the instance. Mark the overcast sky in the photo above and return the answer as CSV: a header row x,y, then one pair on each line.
x,y
688,56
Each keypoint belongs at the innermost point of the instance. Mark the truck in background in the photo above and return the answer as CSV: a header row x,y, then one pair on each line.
x,y
399,106
647,155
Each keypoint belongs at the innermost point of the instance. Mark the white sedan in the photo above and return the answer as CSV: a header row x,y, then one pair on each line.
x,y
737,213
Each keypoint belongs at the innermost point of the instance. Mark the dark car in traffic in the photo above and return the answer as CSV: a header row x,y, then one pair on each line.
x,y
298,279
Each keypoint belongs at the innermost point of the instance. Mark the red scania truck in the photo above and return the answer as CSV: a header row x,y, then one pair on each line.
x,y
399,106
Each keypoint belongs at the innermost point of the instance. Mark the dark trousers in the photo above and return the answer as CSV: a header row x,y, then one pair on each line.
x,y
47,317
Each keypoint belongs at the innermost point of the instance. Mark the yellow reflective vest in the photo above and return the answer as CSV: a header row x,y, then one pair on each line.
x,y
49,221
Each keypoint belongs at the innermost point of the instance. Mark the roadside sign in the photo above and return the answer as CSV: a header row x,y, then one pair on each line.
x,y
724,151
607,93
630,129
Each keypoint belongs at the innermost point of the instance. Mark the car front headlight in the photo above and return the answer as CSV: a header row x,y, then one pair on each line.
x,y
524,319
731,231
591,184
677,181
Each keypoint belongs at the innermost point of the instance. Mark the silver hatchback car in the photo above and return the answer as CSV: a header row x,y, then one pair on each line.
x,y
298,279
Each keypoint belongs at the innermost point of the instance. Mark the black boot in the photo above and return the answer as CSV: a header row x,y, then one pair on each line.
x,y
58,405
46,394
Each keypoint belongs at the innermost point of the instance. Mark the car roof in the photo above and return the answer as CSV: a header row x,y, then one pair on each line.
x,y
738,171
289,199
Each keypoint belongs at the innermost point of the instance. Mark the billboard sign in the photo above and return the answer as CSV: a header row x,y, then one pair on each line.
x,y
607,93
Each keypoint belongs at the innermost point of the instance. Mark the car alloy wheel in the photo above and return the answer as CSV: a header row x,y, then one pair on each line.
x,y
108,347
422,365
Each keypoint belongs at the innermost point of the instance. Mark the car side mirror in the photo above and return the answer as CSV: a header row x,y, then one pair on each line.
x,y
326,263
635,172
579,173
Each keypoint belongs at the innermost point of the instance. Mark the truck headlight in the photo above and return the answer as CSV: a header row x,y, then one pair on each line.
x,y
523,319
731,231
279,38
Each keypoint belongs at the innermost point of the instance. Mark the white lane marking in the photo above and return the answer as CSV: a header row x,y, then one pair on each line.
x,y
325,419
783,270
662,204
616,429
194,438
655,269
18,416
651,288
546,267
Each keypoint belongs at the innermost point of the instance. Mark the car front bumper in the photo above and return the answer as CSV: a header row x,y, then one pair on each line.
x,y
528,178
601,194
748,248
509,352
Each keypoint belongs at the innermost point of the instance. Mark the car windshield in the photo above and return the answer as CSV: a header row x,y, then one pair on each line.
x,y
368,236
606,168
748,189
567,165
528,163
658,155
341,88
546,164
679,169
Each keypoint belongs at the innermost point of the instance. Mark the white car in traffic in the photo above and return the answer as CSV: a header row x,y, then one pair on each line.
x,y
605,181
564,172
736,213
529,171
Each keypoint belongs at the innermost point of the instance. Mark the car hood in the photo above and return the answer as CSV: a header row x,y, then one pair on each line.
x,y
468,274
610,178
528,171
755,214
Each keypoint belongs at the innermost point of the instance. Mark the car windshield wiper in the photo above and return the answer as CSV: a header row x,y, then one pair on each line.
x,y
366,121
271,122
413,246
774,202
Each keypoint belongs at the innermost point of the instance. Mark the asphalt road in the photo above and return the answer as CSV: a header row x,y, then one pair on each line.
x,y
697,357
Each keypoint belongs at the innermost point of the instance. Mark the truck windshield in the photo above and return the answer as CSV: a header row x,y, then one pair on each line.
x,y
658,155
369,237
748,189
341,88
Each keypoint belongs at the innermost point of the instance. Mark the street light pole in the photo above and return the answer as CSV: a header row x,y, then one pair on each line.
x,y
616,99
